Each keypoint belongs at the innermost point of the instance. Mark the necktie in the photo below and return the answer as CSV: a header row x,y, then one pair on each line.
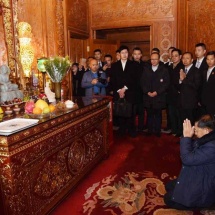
x,y
198,64
186,71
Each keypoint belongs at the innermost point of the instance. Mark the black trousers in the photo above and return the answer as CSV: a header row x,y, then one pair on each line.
x,y
170,186
168,197
127,123
176,120
139,112
154,119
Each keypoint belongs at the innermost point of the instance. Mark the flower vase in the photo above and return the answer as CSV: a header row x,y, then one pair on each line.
x,y
57,88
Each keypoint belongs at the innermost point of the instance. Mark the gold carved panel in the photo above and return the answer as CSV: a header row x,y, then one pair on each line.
x,y
160,15
115,13
201,23
47,26
77,17
8,9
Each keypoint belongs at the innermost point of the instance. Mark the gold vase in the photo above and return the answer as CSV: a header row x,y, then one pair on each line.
x,y
57,88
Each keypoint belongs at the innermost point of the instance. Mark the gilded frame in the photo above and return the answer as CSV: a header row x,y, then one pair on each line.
x,y
9,13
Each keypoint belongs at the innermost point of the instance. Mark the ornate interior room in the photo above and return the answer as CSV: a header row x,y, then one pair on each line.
x,y
65,157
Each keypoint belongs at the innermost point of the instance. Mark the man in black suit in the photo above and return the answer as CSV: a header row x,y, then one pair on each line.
x,y
139,108
208,89
173,92
189,82
201,64
124,84
154,83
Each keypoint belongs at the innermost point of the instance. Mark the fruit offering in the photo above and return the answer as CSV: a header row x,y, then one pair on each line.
x,y
29,106
40,107
42,96
52,108
12,102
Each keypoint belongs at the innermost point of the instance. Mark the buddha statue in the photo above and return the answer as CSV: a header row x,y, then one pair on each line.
x,y
8,90
50,95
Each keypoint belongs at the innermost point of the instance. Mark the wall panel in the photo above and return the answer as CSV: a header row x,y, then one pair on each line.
x,y
46,20
159,14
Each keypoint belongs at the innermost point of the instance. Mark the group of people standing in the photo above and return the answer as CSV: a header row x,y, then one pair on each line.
x,y
181,85
185,88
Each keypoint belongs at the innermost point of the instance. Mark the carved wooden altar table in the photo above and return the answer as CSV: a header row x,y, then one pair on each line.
x,y
39,166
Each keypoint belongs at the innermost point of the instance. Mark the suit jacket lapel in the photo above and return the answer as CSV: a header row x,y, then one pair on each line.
x,y
120,66
210,76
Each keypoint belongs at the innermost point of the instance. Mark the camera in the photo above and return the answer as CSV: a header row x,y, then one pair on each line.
x,y
100,79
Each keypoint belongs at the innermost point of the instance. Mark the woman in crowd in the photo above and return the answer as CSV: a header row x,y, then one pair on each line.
x,y
77,75
195,186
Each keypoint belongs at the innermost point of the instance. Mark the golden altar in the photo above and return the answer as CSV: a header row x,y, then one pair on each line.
x,y
40,165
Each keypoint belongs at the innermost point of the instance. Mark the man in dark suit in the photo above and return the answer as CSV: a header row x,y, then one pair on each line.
x,y
189,82
173,92
154,83
208,89
201,64
139,108
124,84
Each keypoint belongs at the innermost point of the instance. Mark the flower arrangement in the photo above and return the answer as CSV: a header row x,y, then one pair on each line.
x,y
57,68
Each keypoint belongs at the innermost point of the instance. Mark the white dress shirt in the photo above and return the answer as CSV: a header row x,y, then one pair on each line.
x,y
199,62
209,72
154,68
123,64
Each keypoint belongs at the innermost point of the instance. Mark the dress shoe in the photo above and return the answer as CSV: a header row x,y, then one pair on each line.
x,y
166,130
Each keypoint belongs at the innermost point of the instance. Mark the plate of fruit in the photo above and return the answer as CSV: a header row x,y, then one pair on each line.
x,y
15,101
40,109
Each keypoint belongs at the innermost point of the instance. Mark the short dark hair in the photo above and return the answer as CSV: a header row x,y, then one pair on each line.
x,y
201,45
137,49
75,64
117,51
171,47
190,53
97,50
123,47
108,55
156,50
177,50
156,54
206,121
211,53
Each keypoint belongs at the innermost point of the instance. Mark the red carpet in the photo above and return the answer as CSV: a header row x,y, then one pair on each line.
x,y
131,181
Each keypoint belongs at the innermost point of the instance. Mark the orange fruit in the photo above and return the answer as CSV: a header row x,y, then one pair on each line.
x,y
37,110
51,108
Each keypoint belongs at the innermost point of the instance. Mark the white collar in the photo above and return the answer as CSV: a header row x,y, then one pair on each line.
x,y
200,60
210,69
188,68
